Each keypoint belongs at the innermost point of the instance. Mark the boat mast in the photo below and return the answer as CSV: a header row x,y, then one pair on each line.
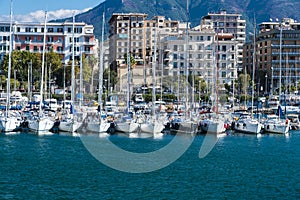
x,y
154,73
73,63
81,78
9,64
43,65
253,67
100,92
128,64
186,60
280,63
217,70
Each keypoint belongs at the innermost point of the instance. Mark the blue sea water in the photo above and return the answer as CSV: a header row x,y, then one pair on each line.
x,y
239,167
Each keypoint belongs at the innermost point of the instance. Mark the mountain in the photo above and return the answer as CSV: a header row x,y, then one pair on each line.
x,y
261,10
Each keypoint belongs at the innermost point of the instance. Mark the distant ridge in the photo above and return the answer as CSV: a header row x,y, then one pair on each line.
x,y
264,10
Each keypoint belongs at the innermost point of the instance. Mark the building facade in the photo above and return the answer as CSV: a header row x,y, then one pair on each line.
x,y
229,23
29,37
277,56
177,45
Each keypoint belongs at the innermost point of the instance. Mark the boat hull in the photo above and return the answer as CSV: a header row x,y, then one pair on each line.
x,y
41,124
9,124
248,126
127,127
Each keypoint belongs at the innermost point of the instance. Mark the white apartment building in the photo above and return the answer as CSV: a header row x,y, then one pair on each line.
x,y
29,37
229,23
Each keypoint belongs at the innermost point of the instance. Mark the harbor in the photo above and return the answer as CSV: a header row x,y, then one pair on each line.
x,y
240,166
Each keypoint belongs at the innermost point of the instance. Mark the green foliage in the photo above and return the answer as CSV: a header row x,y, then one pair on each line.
x,y
132,60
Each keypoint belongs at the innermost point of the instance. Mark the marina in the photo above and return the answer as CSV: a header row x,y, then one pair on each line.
x,y
240,166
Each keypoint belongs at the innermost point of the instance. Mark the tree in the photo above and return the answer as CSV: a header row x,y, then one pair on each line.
x,y
23,60
132,60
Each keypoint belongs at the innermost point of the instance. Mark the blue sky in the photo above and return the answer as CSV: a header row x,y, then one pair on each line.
x,y
25,7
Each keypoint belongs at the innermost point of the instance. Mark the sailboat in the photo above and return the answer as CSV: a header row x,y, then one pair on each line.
x,y
41,122
278,124
71,120
214,124
246,123
126,123
151,124
98,123
10,121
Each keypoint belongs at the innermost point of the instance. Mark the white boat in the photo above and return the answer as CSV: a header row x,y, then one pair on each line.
x,y
98,123
212,126
274,124
294,121
71,123
9,122
152,126
127,125
247,124
40,123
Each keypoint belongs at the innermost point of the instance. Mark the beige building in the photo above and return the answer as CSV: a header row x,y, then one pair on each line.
x,y
176,51
277,54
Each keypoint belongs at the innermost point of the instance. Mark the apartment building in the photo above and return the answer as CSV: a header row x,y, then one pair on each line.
x,y
277,56
175,51
29,37
229,23
135,33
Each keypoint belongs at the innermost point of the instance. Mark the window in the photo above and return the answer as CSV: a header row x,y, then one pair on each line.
x,y
50,30
223,57
175,65
18,29
87,49
27,48
27,29
59,49
223,48
35,48
50,39
175,48
175,56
